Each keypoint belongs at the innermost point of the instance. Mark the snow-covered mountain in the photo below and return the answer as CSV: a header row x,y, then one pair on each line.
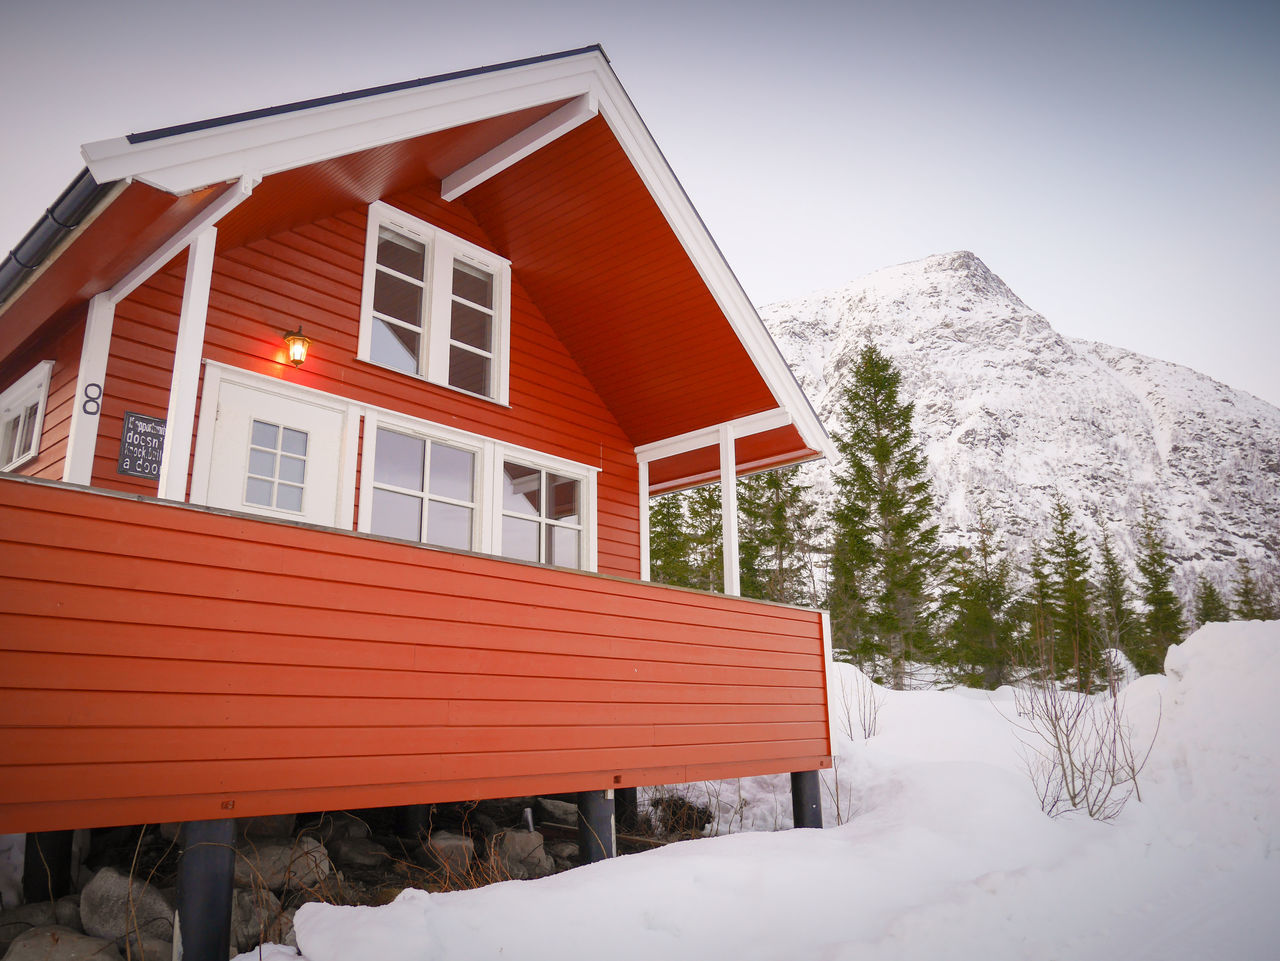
x,y
1010,411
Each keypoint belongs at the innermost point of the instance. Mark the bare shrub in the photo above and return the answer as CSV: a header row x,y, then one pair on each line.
x,y
841,800
1079,749
858,707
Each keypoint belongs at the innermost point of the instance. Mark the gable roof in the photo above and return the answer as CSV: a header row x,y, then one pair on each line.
x,y
551,159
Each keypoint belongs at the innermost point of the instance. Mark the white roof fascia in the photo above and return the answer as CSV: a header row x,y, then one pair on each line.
x,y
185,162
634,136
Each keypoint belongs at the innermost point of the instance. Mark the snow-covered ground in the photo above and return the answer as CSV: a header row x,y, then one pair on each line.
x,y
943,851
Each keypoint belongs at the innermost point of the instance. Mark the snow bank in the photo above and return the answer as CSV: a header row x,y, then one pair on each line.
x,y
943,851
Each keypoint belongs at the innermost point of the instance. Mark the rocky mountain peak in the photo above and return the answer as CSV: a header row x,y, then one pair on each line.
x,y
1011,413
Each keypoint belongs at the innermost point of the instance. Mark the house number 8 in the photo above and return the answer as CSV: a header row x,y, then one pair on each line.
x,y
92,398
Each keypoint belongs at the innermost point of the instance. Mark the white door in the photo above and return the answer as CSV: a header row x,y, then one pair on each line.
x,y
270,454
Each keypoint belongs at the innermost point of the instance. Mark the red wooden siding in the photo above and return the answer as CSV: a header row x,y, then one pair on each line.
x,y
61,343
164,662
312,276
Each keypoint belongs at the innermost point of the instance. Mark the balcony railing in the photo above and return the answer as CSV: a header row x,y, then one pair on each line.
x,y
161,661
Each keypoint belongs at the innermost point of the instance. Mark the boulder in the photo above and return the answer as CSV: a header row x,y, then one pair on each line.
x,y
352,852
452,852
112,905
564,853
256,918
507,812
148,949
268,826
337,824
279,863
561,812
65,912
522,854
54,943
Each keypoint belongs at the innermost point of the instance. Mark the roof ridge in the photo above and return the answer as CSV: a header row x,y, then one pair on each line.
x,y
160,133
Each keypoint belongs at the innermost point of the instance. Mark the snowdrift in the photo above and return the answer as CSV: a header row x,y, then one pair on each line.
x,y
936,846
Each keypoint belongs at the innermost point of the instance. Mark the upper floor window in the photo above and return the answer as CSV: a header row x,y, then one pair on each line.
x,y
435,306
22,416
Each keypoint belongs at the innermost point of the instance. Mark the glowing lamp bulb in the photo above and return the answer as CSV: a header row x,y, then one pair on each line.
x,y
297,345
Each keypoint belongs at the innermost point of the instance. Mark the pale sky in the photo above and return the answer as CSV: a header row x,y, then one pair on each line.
x,y
1118,164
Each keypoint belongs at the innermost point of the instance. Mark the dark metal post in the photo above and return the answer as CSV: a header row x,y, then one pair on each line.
x,y
596,839
806,799
46,869
626,807
206,877
412,820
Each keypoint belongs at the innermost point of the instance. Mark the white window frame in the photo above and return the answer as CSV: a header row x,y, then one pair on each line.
x,y
490,456
542,519
33,386
442,248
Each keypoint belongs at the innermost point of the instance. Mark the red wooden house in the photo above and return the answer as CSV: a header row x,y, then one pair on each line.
x,y
411,568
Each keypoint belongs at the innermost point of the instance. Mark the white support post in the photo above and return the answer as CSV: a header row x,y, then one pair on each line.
x,y
645,572
180,421
86,414
729,510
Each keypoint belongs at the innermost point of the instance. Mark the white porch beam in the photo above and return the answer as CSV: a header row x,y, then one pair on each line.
x,y
729,511
710,436
180,420
85,414
183,238
514,149
646,572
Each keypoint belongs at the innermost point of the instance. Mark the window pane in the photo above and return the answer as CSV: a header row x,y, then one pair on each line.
x,y
563,502
397,298
520,538
7,452
288,497
521,489
262,463
449,525
28,440
452,472
294,442
394,346
401,253
396,515
265,435
258,492
562,546
471,326
399,460
292,469
473,284
468,371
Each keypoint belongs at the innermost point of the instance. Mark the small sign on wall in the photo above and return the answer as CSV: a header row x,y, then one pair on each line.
x,y
141,444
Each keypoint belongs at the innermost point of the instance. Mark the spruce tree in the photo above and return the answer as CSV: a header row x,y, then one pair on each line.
x,y
1162,622
1074,628
706,539
777,531
670,546
1040,616
1210,605
983,629
885,554
1249,601
1119,623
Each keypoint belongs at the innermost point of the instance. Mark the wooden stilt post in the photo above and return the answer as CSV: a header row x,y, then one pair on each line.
x,y
46,869
206,877
806,799
596,838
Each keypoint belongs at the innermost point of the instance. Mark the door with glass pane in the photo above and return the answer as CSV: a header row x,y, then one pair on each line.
x,y
275,455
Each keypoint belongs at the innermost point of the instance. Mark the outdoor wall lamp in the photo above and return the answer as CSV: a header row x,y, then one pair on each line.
x,y
297,345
